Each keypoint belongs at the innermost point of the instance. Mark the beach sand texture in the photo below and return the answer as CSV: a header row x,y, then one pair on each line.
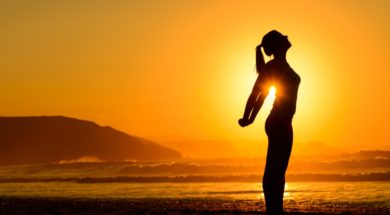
x,y
60,206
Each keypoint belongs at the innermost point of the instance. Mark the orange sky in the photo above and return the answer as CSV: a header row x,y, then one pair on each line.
x,y
184,69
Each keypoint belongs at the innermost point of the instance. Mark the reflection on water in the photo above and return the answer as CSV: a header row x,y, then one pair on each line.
x,y
307,193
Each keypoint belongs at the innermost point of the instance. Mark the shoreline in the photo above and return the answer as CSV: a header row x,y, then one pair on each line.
x,y
111,206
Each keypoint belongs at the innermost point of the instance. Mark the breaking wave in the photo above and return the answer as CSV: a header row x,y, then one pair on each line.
x,y
377,176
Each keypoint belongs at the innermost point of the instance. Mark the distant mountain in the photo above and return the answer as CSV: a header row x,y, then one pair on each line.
x,y
55,138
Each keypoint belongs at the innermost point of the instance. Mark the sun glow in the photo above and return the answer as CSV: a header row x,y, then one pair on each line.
x,y
272,92
269,100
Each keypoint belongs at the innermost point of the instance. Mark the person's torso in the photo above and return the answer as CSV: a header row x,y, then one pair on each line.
x,y
286,83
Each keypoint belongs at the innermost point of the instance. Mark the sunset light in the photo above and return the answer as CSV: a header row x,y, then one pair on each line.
x,y
269,99
150,69
272,92
164,105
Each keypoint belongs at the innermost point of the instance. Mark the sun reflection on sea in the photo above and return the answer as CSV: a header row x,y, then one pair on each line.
x,y
286,191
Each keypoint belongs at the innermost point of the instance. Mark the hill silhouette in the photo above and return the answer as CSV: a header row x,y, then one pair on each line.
x,y
54,138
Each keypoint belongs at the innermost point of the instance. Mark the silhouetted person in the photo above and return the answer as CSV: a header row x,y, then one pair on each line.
x,y
279,74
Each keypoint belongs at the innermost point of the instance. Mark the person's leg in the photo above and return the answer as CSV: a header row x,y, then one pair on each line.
x,y
278,154
269,183
271,167
285,141
273,179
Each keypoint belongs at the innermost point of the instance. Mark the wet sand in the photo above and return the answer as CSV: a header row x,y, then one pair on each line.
x,y
59,206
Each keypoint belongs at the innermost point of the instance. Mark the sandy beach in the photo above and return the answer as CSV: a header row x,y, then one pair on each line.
x,y
59,206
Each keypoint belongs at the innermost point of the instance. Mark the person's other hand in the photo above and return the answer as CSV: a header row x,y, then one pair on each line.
x,y
244,122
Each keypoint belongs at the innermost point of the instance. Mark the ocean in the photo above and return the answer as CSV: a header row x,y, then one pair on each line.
x,y
325,192
374,193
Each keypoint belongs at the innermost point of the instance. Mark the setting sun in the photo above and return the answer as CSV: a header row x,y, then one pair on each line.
x,y
272,92
269,100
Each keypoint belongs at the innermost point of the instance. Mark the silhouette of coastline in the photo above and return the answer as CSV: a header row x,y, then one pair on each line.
x,y
47,139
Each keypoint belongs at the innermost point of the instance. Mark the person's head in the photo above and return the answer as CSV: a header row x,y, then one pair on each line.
x,y
275,43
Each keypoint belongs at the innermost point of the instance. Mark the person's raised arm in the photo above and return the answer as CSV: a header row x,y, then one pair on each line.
x,y
257,96
253,105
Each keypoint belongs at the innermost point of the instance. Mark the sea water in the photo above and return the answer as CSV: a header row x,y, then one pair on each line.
x,y
367,191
